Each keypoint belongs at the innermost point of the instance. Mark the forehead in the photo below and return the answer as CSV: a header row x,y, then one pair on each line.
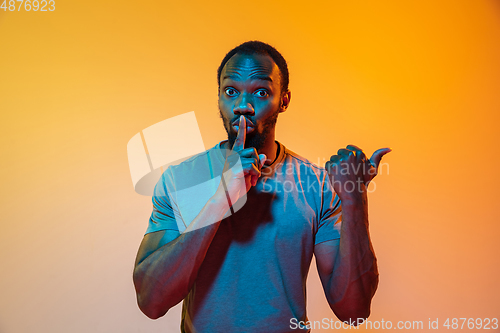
x,y
248,66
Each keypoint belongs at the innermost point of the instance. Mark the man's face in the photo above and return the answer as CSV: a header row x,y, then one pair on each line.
x,y
250,86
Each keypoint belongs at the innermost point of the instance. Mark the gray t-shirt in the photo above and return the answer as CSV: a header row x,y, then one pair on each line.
x,y
253,277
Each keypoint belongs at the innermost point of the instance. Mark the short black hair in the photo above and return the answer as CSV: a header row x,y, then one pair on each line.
x,y
258,47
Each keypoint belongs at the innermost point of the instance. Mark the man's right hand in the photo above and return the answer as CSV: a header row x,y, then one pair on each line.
x,y
251,163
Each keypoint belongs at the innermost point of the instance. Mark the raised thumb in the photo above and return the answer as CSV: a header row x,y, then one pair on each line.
x,y
377,156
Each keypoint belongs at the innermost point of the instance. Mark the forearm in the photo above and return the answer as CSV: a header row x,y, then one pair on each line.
x,y
354,278
165,276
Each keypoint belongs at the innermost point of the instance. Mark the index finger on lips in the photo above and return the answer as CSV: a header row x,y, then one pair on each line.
x,y
239,143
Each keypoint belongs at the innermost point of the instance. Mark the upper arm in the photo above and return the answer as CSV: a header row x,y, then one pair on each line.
x,y
327,237
162,226
152,242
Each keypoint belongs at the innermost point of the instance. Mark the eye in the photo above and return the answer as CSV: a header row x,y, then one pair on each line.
x,y
262,93
231,92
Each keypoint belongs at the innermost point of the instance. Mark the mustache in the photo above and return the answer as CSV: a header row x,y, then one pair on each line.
x,y
236,120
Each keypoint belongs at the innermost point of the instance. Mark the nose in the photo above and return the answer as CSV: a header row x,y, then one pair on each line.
x,y
242,106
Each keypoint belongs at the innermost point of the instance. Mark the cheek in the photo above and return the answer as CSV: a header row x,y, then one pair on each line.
x,y
222,107
225,109
224,104
269,105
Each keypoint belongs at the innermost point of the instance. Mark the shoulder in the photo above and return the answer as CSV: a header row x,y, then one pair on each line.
x,y
200,165
211,155
189,172
314,176
291,157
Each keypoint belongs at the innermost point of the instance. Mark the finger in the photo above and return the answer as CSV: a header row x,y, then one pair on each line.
x,y
344,152
254,174
334,158
254,170
377,156
347,155
239,143
329,165
262,159
250,152
353,147
254,180
360,155
232,158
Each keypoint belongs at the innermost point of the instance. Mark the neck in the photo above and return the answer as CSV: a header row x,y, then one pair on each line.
x,y
269,149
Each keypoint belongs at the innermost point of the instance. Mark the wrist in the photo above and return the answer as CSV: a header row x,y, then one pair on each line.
x,y
354,196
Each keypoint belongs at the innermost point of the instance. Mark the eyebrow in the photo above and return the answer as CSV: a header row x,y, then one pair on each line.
x,y
258,77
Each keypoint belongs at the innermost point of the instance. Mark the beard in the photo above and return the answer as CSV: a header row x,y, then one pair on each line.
x,y
255,139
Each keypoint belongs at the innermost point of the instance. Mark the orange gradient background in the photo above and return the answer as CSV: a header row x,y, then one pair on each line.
x,y
421,77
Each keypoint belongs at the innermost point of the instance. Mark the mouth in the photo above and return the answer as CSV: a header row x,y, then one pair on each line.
x,y
250,129
250,126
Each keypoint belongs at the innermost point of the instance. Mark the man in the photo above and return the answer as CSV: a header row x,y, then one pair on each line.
x,y
245,270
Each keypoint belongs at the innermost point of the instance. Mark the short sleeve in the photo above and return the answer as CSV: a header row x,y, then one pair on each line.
x,y
330,217
164,215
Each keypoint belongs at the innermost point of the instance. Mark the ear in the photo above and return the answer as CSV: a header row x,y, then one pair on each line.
x,y
285,100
